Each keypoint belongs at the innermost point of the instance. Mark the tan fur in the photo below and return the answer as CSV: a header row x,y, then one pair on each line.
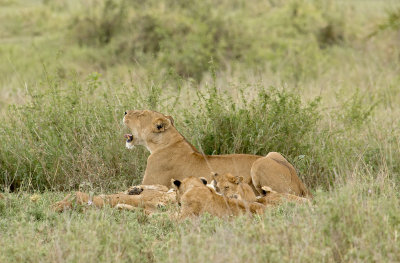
x,y
196,198
150,198
276,172
234,187
273,198
172,156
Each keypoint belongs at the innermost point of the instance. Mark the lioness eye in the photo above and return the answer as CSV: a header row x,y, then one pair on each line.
x,y
226,187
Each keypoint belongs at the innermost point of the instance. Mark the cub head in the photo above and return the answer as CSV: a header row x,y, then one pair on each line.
x,y
267,190
228,184
147,127
186,184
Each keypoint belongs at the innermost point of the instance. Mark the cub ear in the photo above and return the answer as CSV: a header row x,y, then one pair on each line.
x,y
161,124
213,184
176,183
238,179
214,175
265,190
204,180
171,119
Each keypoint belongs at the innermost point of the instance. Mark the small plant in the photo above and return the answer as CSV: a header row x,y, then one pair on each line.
x,y
391,22
355,112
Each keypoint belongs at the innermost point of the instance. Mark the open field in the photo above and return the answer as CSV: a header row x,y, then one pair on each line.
x,y
318,81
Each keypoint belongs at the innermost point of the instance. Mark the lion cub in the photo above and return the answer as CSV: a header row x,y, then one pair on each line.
x,y
196,198
149,197
233,187
271,197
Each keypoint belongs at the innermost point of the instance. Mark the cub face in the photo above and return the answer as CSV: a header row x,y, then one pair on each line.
x,y
228,184
186,184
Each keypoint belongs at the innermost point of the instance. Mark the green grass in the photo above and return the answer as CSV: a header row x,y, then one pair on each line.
x,y
315,80
359,222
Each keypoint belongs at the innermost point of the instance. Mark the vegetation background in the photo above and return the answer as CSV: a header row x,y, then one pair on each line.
x,y
318,81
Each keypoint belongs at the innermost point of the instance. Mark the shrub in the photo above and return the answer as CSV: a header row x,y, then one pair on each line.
x,y
288,38
275,120
99,22
272,120
391,22
69,135
64,136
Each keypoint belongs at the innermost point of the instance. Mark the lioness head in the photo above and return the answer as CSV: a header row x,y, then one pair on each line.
x,y
186,184
228,184
147,127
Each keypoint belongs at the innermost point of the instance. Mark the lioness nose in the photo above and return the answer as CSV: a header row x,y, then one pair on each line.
x,y
126,113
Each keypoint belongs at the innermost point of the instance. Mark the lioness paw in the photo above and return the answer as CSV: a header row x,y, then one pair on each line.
x,y
135,191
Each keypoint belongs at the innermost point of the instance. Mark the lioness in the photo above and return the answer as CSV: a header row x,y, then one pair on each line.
x,y
196,198
172,156
149,197
234,187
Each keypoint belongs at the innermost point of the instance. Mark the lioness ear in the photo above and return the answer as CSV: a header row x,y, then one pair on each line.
x,y
177,183
204,180
238,179
161,124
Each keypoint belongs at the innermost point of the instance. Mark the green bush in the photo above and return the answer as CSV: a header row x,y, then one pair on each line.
x,y
69,135
271,120
391,22
289,38
99,22
274,120
64,136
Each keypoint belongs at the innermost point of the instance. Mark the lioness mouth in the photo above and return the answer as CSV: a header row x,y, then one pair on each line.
x,y
129,137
